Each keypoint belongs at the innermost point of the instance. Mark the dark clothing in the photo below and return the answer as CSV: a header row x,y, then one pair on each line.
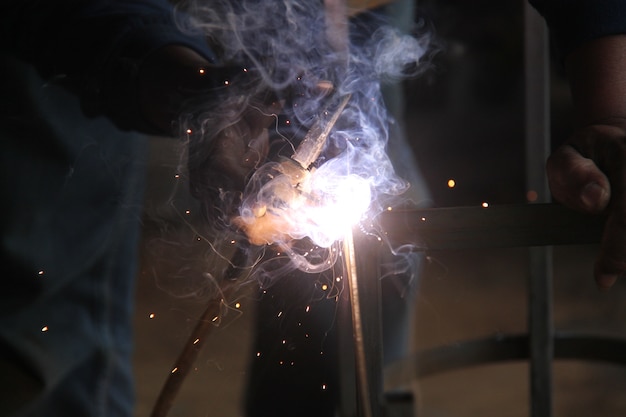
x,y
95,47
69,232
295,365
71,188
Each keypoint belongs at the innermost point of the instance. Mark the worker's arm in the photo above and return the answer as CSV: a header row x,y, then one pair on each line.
x,y
589,171
108,53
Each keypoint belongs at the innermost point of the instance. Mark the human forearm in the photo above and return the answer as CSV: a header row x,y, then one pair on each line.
x,y
588,172
597,74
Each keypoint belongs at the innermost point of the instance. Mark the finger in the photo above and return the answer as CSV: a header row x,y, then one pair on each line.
x,y
611,261
606,145
576,181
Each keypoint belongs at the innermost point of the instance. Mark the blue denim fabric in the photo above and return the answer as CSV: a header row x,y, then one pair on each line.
x,y
68,226
71,188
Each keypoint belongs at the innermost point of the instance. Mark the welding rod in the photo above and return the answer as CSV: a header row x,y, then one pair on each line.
x,y
490,227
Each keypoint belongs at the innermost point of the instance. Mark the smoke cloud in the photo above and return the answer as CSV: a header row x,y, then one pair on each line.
x,y
281,69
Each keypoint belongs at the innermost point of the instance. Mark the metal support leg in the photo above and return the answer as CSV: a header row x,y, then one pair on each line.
x,y
537,150
361,349
541,331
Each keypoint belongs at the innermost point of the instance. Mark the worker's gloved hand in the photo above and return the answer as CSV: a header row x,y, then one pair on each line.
x,y
220,110
589,174
172,77
223,156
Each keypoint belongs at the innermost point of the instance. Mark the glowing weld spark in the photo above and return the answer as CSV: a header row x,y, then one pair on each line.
x,y
299,201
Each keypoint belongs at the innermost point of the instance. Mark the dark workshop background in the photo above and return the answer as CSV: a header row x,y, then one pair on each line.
x,y
465,121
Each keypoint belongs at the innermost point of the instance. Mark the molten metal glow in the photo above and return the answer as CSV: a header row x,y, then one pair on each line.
x,y
320,205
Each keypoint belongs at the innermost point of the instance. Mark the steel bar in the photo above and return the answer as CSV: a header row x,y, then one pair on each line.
x,y
347,364
537,139
368,265
493,227
365,405
541,330
465,354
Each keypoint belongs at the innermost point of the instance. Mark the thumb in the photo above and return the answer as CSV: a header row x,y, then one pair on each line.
x,y
577,181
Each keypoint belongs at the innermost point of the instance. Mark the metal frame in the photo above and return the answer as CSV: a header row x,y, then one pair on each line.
x,y
536,226
537,121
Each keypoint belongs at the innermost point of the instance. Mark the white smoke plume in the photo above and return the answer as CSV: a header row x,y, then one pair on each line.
x,y
284,70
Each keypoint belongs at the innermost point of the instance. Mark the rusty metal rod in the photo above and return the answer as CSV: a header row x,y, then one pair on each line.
x,y
492,227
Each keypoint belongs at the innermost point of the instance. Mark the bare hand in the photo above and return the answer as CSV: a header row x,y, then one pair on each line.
x,y
589,174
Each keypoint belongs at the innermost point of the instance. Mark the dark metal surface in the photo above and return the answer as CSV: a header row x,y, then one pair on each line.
x,y
541,330
512,348
537,141
367,254
525,225
361,376
493,227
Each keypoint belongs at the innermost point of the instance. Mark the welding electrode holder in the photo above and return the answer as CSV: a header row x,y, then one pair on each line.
x,y
299,167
